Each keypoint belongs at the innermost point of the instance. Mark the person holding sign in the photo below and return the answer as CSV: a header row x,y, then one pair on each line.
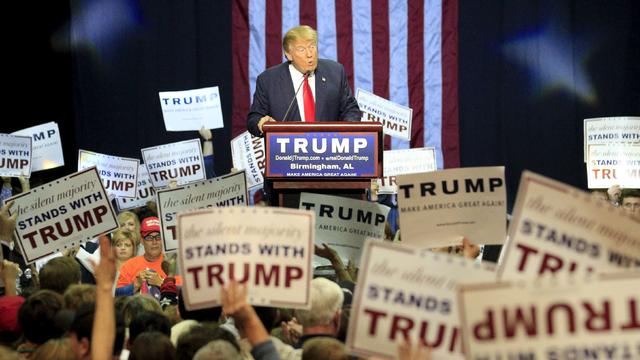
x,y
146,268
325,94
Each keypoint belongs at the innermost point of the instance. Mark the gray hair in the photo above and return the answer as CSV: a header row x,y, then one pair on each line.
x,y
217,350
326,301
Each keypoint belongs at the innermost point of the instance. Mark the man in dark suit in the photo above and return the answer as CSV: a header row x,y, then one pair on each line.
x,y
325,94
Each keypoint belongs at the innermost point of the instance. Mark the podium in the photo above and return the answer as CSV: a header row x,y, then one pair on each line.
x,y
333,158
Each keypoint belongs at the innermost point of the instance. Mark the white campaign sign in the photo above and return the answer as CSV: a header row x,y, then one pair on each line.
x,y
440,208
271,253
119,175
180,161
145,193
227,190
248,153
609,165
191,109
619,130
404,291
405,161
15,155
47,146
395,118
61,214
557,228
560,320
344,223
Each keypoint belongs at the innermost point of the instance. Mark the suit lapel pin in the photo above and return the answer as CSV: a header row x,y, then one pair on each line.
x,y
323,79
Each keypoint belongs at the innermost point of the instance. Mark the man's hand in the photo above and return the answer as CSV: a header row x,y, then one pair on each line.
x,y
10,271
234,300
105,271
153,278
326,252
205,133
291,331
7,223
24,183
263,120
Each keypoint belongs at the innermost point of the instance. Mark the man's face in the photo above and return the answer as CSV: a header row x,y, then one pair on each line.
x,y
152,244
631,204
303,54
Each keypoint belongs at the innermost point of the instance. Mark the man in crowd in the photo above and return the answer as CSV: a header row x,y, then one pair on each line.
x,y
145,269
631,201
323,319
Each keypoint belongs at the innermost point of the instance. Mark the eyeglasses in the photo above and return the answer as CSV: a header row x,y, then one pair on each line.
x,y
152,238
302,49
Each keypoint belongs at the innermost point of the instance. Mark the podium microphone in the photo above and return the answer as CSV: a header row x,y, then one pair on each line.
x,y
304,77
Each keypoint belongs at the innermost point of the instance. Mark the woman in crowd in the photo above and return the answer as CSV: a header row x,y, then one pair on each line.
x,y
126,244
129,221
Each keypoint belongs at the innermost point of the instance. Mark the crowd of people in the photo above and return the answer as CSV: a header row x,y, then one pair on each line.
x,y
129,305
133,299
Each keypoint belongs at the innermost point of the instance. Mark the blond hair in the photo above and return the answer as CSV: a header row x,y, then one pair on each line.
x,y
126,215
302,32
124,234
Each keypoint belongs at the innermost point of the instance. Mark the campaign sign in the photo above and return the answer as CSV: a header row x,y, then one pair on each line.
x,y
404,292
395,118
271,254
62,214
46,146
180,161
191,109
560,320
248,153
344,223
15,155
227,190
405,161
440,208
557,228
145,193
611,131
322,154
609,165
119,175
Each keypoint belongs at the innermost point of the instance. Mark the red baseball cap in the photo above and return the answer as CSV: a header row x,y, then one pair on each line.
x,y
149,225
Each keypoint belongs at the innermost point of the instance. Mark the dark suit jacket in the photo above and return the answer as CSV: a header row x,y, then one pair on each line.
x,y
275,90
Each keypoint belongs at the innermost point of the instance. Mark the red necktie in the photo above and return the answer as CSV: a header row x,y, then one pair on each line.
x,y
309,105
